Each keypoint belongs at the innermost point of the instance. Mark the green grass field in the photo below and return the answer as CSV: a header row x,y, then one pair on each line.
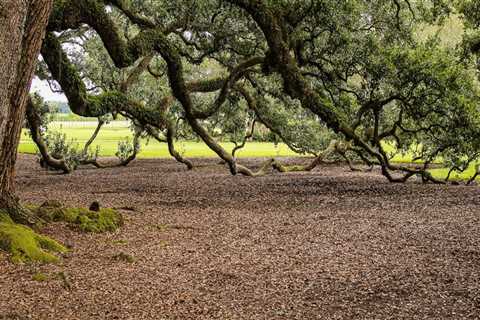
x,y
110,136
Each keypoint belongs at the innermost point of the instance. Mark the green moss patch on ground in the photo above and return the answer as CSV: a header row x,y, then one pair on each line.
x,y
104,220
25,245
40,277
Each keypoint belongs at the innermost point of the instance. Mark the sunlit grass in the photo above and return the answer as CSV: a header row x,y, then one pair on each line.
x,y
466,175
109,137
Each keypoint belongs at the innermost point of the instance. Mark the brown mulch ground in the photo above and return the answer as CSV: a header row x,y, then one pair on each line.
x,y
330,244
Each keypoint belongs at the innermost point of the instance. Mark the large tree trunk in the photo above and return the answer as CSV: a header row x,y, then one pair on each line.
x,y
23,26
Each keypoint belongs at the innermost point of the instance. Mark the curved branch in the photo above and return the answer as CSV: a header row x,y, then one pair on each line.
x,y
171,147
235,75
34,124
475,175
245,138
280,60
123,162
170,140
312,165
93,137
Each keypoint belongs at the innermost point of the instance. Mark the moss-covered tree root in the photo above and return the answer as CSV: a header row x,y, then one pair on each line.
x,y
25,245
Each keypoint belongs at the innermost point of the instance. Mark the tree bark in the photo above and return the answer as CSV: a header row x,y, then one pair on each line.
x,y
23,24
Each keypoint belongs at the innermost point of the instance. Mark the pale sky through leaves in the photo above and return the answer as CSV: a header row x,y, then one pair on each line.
x,y
45,91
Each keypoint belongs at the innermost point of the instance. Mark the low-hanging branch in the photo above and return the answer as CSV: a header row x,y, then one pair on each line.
x,y
247,136
123,55
253,104
100,124
280,60
475,175
334,147
110,102
58,162
123,162
278,38
170,140
35,123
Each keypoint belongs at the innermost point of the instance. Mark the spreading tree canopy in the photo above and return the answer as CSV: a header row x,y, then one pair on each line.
x,y
346,77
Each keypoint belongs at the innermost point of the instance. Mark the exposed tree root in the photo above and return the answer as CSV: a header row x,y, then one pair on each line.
x,y
25,245
20,241
19,214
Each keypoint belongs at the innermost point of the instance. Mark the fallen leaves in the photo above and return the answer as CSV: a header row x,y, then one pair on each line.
x,y
330,244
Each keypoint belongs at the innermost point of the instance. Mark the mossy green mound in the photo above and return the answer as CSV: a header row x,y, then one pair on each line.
x,y
85,220
5,218
40,277
101,221
25,245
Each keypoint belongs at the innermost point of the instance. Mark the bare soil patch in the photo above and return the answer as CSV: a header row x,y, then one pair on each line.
x,y
330,244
